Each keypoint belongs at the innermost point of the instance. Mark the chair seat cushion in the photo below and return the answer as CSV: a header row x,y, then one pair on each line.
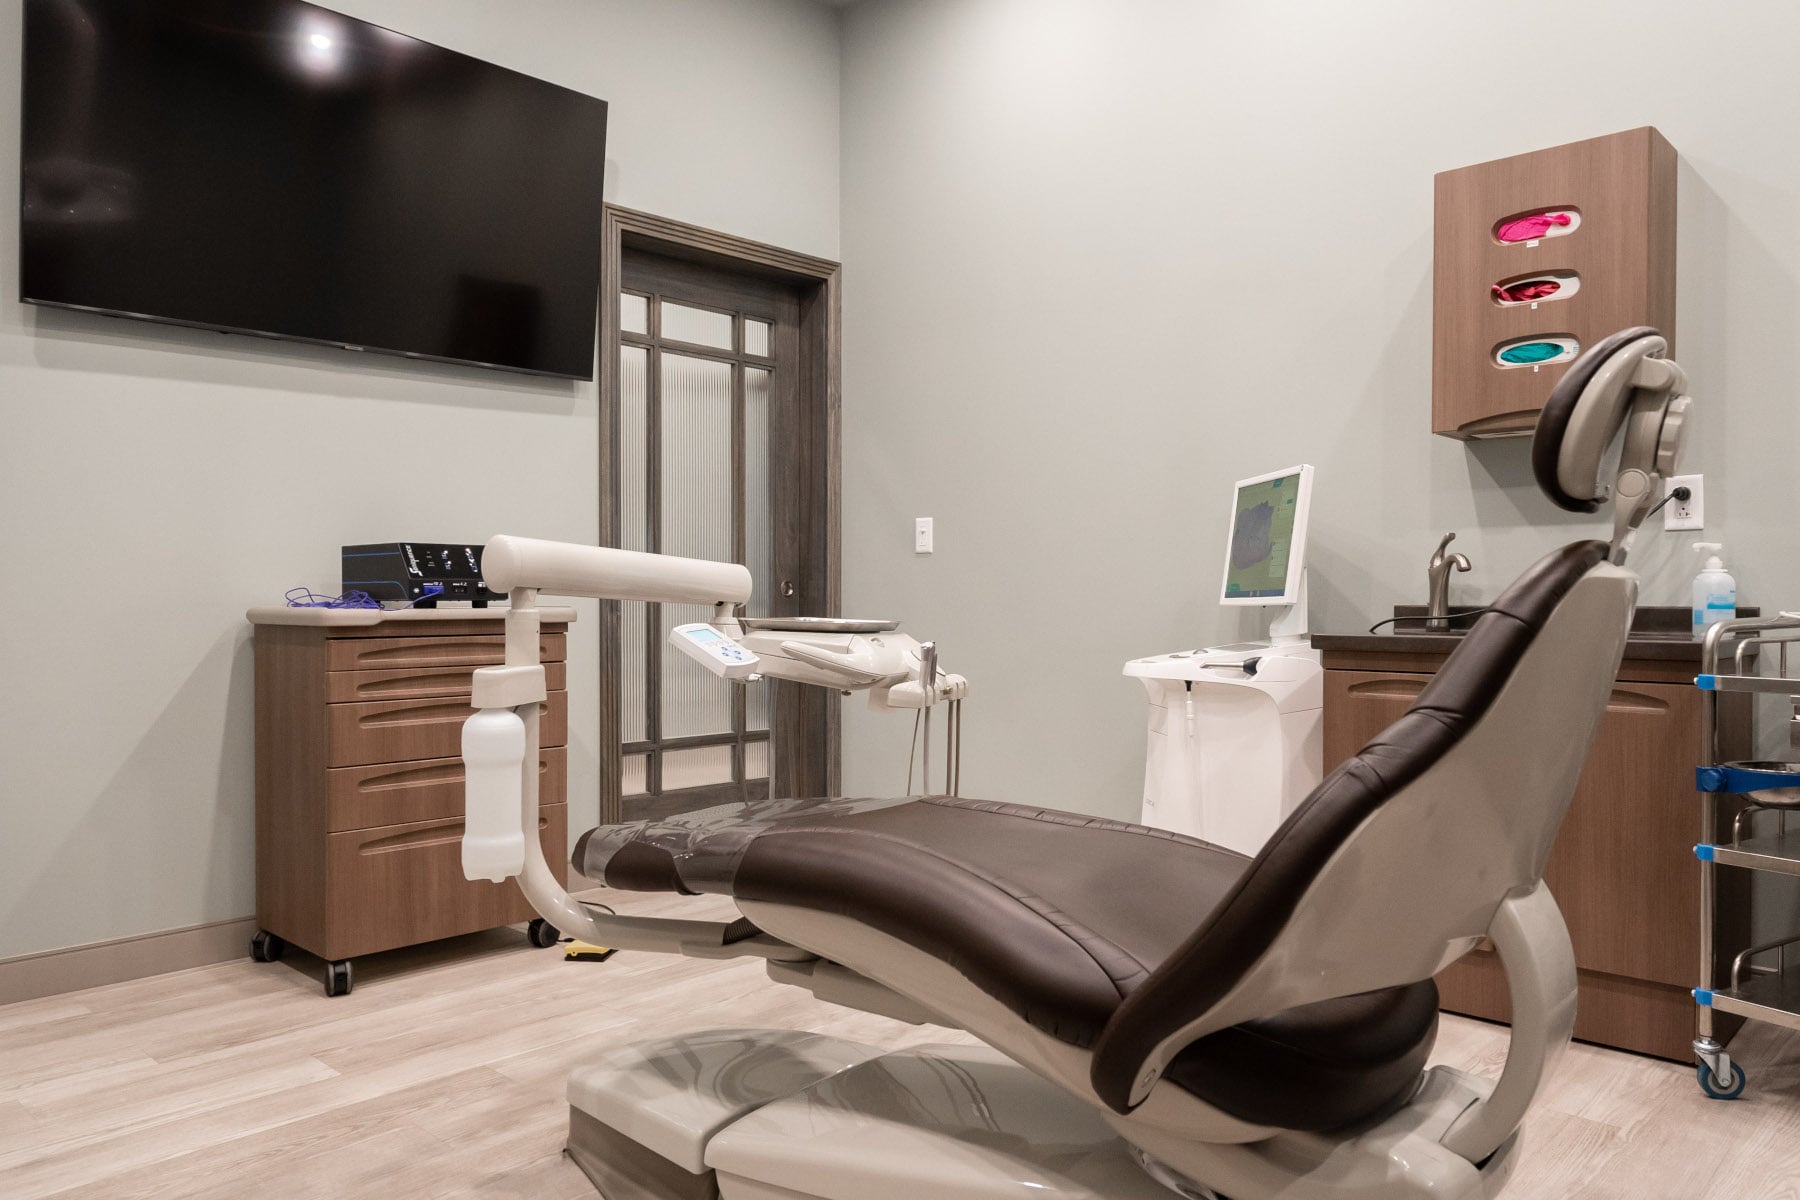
x,y
1056,916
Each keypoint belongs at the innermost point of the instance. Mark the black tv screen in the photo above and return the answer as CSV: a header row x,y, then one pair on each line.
x,y
272,167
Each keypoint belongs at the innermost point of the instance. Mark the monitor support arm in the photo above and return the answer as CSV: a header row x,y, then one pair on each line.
x,y
1291,626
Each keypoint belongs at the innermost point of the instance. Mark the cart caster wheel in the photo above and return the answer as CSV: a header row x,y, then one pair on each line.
x,y
1719,1089
542,933
265,947
337,978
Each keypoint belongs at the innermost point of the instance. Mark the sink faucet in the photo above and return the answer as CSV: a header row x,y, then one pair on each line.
x,y
1438,614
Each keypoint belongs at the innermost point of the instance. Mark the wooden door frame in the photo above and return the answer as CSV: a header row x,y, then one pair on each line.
x,y
817,280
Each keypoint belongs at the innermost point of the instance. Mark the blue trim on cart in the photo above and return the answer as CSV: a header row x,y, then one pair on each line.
x,y
1704,852
1707,683
1742,779
1703,998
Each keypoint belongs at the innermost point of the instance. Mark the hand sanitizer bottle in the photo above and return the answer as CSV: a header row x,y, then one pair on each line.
x,y
1715,592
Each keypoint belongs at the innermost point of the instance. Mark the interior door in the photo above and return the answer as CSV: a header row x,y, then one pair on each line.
x,y
714,460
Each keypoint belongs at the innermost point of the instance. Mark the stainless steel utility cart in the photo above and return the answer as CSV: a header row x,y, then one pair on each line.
x,y
1763,985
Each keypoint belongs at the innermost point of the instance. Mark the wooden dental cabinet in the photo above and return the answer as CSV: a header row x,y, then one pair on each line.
x,y
1622,870
359,797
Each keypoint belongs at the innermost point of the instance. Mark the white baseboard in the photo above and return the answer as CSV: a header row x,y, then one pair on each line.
x,y
53,972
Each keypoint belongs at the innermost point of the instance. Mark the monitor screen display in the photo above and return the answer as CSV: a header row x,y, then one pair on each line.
x,y
1263,527
272,167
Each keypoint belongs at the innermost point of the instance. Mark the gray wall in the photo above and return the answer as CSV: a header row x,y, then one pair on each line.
x,y
155,483
1102,259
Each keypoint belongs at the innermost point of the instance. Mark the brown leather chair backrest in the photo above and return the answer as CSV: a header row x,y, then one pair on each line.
x,y
1395,864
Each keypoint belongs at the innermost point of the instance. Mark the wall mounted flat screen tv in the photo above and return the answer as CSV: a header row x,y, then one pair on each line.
x,y
272,167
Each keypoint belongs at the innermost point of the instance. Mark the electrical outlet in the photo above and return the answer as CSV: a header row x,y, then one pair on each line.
x,y
1689,513
921,535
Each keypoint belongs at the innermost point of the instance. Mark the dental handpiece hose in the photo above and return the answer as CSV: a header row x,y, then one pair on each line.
x,y
928,677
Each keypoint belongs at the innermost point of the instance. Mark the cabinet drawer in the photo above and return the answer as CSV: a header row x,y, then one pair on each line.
x,y
397,731
417,683
369,653
403,884
399,793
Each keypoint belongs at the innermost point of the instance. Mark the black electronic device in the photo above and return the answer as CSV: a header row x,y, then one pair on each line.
x,y
417,573
277,168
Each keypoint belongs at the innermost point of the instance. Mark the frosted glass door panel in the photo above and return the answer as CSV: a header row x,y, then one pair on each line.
x,y
636,775
699,767
696,458
634,532
634,697
634,443
699,326
758,387
758,531
634,313
697,488
756,338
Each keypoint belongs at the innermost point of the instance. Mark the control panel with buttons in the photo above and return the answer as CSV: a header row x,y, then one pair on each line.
x,y
714,651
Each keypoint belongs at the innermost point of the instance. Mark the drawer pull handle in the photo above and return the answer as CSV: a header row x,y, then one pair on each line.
x,y
1389,689
482,650
455,682
437,835
1622,701
422,714
451,772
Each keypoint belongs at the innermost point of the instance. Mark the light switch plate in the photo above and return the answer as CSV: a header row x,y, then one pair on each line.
x,y
1689,513
921,535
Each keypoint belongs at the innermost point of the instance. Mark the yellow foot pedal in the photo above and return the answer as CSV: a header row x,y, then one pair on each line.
x,y
582,952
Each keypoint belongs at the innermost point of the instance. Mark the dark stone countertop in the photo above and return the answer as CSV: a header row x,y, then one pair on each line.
x,y
1663,634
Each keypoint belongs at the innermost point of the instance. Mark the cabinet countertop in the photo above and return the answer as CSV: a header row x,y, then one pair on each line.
x,y
1652,638
281,614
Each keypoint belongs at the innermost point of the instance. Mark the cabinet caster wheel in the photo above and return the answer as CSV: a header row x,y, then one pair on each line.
x,y
542,933
265,947
337,978
1721,1089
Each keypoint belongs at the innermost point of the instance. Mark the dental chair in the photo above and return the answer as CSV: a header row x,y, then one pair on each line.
x,y
1157,1016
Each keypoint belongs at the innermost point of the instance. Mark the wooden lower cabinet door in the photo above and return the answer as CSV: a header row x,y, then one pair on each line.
x,y
1623,868
403,884
1360,704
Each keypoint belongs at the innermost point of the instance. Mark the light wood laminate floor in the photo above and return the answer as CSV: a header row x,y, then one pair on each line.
x,y
442,1075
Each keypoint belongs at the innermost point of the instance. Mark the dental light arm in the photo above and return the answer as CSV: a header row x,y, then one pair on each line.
x,y
500,741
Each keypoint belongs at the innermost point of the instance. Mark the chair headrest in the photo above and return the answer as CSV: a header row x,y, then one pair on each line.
x,y
1624,382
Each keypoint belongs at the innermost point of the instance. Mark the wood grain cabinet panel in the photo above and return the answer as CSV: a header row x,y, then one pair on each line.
x,y
403,884
1622,868
470,650
1623,253
400,793
418,683
359,779
389,731
1624,860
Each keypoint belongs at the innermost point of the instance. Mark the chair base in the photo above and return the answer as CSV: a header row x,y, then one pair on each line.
x,y
780,1115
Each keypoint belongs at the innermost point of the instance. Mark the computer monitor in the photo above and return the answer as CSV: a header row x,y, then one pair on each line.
x,y
1266,555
